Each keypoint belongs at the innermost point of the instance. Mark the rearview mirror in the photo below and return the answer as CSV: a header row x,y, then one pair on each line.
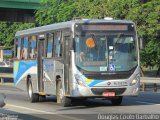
x,y
141,43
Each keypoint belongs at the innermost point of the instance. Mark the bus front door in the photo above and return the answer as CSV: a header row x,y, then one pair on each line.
x,y
66,39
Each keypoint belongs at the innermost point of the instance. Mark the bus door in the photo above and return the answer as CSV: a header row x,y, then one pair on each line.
x,y
66,41
40,51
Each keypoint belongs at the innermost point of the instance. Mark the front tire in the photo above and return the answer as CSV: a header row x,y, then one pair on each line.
x,y
61,99
33,97
117,101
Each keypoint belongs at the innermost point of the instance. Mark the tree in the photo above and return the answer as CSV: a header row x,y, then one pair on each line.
x,y
55,11
3,26
65,10
92,9
8,30
119,9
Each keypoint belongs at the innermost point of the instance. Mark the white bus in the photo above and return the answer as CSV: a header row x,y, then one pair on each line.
x,y
78,59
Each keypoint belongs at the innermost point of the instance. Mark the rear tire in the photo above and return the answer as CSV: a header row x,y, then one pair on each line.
x,y
117,101
61,99
33,97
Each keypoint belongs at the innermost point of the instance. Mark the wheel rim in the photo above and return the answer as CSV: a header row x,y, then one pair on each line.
x,y
30,90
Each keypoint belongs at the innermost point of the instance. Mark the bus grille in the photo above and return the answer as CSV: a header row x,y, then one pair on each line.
x,y
99,91
107,77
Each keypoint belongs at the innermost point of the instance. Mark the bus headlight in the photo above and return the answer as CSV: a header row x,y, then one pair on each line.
x,y
80,80
134,81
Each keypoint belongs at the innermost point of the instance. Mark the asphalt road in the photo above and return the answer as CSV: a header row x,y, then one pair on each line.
x,y
18,106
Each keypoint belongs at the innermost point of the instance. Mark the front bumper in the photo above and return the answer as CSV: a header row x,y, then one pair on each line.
x,y
82,91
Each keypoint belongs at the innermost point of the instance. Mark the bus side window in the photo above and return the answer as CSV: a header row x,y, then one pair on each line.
x,y
58,44
25,48
29,47
18,48
33,47
50,40
22,49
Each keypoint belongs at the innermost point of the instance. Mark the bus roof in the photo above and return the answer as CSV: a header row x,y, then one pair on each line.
x,y
62,25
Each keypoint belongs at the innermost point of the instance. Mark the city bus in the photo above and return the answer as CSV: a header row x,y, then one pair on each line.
x,y
78,59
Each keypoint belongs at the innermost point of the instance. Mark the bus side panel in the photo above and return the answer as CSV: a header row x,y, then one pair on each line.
x,y
21,70
49,76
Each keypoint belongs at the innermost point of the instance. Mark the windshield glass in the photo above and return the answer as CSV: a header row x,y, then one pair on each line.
x,y
106,52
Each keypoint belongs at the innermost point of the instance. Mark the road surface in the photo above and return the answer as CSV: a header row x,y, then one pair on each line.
x,y
18,106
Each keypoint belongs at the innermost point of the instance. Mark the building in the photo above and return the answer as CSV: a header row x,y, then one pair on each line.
x,y
18,10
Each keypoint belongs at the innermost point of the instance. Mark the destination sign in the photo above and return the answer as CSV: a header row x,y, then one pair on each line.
x,y
105,27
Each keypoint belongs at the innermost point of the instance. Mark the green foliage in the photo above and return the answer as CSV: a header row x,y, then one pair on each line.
x,y
151,54
92,9
64,10
55,11
147,17
8,30
119,9
3,31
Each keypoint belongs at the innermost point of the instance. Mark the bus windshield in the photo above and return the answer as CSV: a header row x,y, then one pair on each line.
x,y
100,52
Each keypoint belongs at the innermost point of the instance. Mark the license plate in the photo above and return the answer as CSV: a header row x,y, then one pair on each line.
x,y
109,94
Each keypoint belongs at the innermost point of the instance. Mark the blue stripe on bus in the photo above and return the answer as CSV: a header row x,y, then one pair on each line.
x,y
23,66
94,82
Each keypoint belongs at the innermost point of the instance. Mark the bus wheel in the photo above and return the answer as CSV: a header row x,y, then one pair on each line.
x,y
117,101
61,99
32,96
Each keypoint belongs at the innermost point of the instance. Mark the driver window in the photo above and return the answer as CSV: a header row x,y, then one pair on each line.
x,y
58,44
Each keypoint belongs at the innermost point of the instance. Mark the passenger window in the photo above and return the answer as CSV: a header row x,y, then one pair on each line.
x,y
58,44
50,39
33,47
22,49
19,48
25,48
29,47
16,48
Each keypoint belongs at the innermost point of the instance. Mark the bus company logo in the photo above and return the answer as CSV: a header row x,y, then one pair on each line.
x,y
112,67
108,83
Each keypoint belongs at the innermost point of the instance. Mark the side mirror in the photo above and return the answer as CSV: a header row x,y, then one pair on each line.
x,y
141,43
